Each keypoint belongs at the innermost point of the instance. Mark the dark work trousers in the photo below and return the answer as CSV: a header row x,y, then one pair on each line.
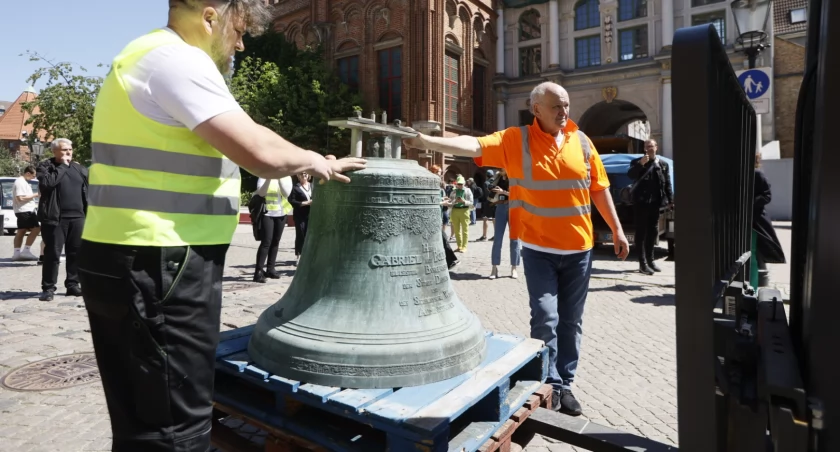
x,y
647,230
450,255
66,234
271,230
301,224
154,318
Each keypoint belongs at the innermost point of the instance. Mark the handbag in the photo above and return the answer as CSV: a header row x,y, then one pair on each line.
x,y
625,195
256,208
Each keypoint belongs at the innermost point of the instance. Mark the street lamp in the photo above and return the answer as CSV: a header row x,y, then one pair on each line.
x,y
751,18
36,150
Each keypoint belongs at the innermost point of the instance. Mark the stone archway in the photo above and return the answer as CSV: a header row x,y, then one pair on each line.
x,y
606,119
606,124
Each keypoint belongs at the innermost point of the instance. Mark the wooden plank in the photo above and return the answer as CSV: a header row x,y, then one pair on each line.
x,y
236,345
236,362
227,440
356,400
434,417
225,336
521,393
472,437
405,402
317,392
255,372
283,384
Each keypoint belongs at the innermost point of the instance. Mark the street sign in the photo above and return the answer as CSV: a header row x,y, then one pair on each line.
x,y
757,84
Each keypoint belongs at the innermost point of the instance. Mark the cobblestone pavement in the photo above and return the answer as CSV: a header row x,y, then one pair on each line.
x,y
626,378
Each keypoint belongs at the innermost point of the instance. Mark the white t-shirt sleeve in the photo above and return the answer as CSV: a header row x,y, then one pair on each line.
x,y
179,85
286,186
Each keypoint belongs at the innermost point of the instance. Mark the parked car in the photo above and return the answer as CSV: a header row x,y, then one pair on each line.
x,y
6,208
617,166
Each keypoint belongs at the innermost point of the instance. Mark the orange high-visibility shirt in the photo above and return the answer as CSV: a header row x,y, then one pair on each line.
x,y
550,207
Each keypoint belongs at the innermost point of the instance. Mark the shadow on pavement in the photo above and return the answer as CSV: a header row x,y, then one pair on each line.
x,y
11,264
656,300
619,288
466,276
18,295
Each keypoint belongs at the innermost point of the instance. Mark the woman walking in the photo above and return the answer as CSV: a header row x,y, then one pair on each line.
x,y
276,193
301,200
501,196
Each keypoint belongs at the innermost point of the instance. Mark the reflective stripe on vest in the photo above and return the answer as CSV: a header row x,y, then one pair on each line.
x,y
166,162
153,184
527,182
274,200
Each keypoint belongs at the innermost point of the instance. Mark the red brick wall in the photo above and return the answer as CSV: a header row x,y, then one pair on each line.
x,y
422,26
788,69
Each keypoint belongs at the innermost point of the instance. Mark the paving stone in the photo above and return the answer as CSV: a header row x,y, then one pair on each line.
x,y
626,377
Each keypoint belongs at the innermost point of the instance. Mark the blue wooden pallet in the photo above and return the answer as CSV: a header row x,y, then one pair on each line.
x,y
458,414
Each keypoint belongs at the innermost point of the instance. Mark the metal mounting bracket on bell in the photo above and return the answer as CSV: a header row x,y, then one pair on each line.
x,y
359,126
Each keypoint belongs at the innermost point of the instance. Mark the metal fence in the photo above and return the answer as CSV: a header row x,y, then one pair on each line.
x,y
714,142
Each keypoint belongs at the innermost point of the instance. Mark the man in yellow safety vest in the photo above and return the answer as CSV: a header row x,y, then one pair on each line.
x,y
168,140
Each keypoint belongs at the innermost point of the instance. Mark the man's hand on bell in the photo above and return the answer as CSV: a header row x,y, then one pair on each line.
x,y
332,169
417,142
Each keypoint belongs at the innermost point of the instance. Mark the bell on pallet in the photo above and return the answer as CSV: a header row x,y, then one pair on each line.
x,y
371,305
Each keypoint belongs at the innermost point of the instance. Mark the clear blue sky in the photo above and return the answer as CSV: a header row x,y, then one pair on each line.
x,y
83,32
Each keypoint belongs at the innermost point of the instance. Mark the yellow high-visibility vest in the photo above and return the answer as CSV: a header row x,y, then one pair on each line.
x,y
274,200
153,184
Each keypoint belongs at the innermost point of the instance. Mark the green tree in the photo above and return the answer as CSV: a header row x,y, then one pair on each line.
x,y
9,165
294,93
65,105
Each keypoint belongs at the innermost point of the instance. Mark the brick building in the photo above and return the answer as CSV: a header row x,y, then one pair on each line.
x,y
429,63
790,21
13,128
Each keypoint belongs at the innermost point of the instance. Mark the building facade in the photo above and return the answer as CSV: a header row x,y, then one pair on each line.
x,y
14,131
613,57
467,67
429,63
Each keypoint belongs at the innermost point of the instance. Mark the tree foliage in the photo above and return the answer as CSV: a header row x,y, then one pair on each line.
x,y
9,165
65,105
294,92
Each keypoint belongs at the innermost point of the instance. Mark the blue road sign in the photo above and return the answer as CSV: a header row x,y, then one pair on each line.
x,y
755,83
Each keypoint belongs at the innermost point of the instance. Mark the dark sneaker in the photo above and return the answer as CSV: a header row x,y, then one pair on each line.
x,y
565,402
272,275
644,268
46,296
482,239
259,278
654,267
74,291
454,263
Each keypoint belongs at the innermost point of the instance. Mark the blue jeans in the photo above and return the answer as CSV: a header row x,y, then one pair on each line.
x,y
557,287
499,226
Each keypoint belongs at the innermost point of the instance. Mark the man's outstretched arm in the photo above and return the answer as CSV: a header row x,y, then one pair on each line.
x,y
266,154
464,145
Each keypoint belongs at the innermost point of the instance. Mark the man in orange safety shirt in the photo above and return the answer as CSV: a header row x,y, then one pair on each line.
x,y
555,175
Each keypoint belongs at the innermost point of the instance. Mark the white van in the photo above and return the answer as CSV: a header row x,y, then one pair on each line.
x,y
6,208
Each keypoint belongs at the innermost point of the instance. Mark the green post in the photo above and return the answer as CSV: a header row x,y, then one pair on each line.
x,y
753,263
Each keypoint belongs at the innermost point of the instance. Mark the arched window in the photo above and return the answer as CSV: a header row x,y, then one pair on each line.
x,y
587,14
529,25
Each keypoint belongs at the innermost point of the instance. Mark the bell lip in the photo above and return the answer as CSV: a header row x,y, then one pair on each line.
x,y
373,382
470,342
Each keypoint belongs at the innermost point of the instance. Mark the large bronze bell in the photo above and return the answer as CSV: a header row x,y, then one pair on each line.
x,y
371,304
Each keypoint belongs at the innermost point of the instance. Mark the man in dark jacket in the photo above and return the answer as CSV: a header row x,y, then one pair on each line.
x,y
651,191
63,185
